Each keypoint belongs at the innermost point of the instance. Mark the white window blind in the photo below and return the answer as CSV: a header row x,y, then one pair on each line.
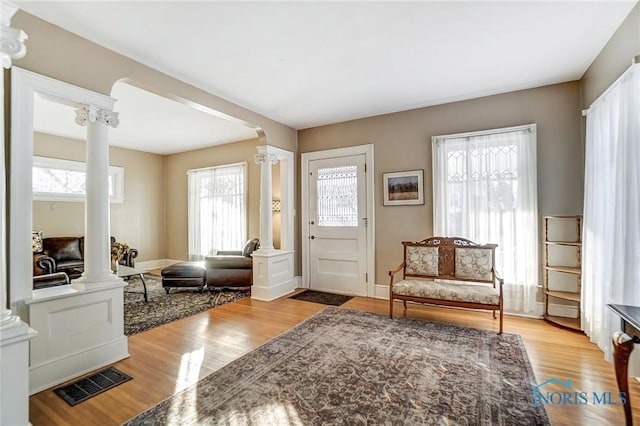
x,y
485,189
217,209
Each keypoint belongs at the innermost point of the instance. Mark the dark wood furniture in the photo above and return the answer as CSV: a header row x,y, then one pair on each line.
x,y
447,260
622,347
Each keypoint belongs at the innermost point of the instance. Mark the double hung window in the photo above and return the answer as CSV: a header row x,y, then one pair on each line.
x,y
485,190
217,209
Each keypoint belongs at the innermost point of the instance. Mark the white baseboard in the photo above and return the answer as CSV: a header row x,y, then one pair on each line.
x,y
157,263
58,371
275,292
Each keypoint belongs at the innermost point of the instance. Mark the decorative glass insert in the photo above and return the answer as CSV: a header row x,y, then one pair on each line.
x,y
58,181
55,179
337,196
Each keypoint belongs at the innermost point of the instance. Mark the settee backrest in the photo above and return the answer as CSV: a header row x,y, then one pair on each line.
x,y
449,259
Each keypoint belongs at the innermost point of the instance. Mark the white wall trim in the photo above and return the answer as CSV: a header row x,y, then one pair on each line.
x,y
66,368
370,176
24,86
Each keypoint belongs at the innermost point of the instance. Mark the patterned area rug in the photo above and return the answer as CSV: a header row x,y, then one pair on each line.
x,y
320,297
348,367
163,308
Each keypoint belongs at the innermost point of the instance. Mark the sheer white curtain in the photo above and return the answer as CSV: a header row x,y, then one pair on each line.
x,y
217,209
485,189
611,248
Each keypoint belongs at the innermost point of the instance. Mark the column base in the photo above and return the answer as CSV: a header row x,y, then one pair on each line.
x,y
14,369
80,330
273,275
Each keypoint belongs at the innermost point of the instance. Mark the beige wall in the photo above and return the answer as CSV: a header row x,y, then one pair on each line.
x,y
175,186
138,221
403,142
613,60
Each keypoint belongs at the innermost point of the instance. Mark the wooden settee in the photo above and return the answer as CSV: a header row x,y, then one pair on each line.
x,y
448,271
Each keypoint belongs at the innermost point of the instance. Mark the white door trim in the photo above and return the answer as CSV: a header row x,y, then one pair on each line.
x,y
367,150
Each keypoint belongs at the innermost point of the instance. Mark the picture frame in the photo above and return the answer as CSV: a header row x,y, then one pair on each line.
x,y
403,188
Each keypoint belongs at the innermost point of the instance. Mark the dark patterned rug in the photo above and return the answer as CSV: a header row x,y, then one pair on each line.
x,y
348,367
321,297
163,308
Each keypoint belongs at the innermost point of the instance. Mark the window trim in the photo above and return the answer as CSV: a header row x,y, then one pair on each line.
x,y
115,172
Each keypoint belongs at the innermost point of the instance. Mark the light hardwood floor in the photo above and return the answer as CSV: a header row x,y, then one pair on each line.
x,y
169,358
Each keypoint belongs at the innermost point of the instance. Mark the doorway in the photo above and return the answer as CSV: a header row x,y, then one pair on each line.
x,y
338,221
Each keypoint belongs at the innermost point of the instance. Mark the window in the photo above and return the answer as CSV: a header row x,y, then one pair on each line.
x,y
485,189
217,209
55,179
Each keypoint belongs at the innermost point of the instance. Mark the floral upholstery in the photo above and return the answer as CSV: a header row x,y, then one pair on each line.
x,y
474,264
36,243
472,293
422,260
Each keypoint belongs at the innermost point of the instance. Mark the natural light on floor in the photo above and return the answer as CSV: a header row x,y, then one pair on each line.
x,y
189,368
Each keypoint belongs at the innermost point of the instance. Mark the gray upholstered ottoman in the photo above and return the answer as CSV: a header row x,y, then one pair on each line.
x,y
184,274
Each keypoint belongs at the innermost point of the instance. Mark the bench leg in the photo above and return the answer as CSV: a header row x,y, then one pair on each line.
x,y
494,314
404,303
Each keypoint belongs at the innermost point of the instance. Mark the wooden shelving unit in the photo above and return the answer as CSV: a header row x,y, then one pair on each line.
x,y
550,293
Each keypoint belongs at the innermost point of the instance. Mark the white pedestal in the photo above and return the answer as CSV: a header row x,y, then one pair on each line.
x,y
80,329
273,274
14,371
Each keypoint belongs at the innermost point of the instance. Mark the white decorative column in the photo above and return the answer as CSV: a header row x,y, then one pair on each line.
x,y
14,333
97,250
266,160
272,269
81,326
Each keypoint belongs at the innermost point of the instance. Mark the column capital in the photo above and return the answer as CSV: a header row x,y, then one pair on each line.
x,y
11,39
264,157
92,114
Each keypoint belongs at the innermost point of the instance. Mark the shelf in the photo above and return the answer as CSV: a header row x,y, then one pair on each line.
x,y
564,243
572,323
574,297
570,239
565,269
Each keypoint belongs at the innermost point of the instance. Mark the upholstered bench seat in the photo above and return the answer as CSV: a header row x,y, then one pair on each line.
x,y
184,274
471,293
449,271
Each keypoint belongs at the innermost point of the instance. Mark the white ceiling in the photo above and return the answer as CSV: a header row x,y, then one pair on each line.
x,y
307,64
148,122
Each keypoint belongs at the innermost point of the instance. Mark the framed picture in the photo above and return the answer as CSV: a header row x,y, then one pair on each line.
x,y
403,188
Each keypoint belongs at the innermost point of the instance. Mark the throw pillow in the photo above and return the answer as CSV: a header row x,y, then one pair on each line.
x,y
251,246
36,241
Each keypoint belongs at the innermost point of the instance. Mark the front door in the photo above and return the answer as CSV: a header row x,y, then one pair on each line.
x,y
337,225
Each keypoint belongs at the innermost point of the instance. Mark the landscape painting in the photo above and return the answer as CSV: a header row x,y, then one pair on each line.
x,y
403,188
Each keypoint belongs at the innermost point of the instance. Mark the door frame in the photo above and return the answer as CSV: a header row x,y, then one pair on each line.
x,y
369,177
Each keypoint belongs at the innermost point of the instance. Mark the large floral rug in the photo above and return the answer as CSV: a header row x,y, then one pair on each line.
x,y
163,308
348,367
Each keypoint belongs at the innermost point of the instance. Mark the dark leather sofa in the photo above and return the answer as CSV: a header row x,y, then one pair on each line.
x,y
229,268
66,254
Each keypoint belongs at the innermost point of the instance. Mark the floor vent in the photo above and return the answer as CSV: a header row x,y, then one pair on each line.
x,y
87,387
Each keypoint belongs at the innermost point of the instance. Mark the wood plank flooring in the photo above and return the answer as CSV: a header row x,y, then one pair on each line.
x,y
169,358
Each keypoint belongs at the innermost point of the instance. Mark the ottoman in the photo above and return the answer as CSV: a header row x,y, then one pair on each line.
x,y
184,274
